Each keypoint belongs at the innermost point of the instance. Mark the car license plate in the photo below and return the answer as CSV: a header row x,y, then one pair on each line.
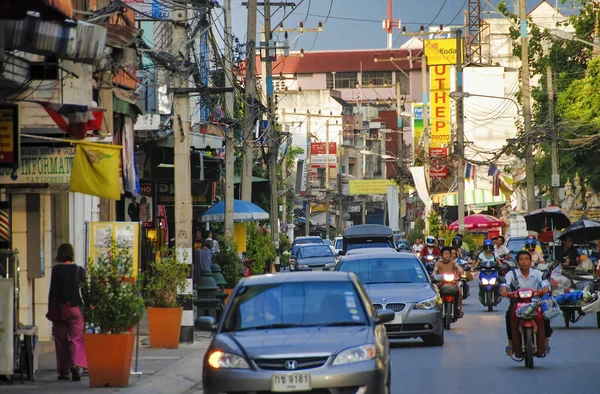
x,y
283,383
317,269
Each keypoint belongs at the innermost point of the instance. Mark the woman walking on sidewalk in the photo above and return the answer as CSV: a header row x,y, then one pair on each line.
x,y
64,302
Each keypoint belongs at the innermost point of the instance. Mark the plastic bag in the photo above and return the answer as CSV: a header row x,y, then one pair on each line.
x,y
572,298
527,310
559,281
550,307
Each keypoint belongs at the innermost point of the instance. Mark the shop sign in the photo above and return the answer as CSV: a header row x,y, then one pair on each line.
x,y
9,135
41,165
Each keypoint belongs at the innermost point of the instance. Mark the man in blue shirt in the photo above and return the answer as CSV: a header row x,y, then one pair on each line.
x,y
527,278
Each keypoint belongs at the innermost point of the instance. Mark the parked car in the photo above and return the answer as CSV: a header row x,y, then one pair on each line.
x,y
312,257
367,236
307,332
307,240
338,244
398,281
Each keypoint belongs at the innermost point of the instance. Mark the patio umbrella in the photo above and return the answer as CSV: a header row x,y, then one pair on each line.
x,y
582,231
547,219
243,211
479,221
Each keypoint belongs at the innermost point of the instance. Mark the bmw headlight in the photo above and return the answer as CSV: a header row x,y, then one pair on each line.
x,y
302,266
220,360
329,265
430,303
355,354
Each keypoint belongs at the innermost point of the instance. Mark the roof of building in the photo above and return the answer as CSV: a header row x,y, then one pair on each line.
x,y
344,61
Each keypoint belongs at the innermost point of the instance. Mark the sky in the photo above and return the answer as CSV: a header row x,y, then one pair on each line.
x,y
363,28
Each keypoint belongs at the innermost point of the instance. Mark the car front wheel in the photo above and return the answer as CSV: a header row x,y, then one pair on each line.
x,y
434,340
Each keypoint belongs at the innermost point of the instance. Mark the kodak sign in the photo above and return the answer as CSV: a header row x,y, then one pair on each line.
x,y
440,105
441,51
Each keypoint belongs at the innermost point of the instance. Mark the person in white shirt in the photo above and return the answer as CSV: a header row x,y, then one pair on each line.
x,y
418,246
501,250
215,243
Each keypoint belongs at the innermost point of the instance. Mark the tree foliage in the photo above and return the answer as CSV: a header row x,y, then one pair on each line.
x,y
229,260
259,248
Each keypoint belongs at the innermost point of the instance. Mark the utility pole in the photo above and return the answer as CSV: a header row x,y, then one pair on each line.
x,y
425,90
400,156
249,112
339,182
460,134
284,181
229,147
554,152
182,170
327,195
307,173
526,95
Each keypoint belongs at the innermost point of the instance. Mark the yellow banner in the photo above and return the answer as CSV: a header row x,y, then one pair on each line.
x,y
440,105
96,170
441,51
370,186
125,234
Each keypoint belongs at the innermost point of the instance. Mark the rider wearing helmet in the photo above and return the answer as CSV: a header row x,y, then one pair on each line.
x,y
430,248
488,255
457,243
441,243
537,257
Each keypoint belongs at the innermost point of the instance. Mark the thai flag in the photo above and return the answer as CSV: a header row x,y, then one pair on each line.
x,y
493,171
75,120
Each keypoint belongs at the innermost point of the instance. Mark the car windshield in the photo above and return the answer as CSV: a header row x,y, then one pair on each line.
x,y
516,244
327,242
315,251
372,270
339,243
295,304
303,241
369,245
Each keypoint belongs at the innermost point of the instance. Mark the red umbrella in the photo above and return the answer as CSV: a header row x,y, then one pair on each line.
x,y
483,222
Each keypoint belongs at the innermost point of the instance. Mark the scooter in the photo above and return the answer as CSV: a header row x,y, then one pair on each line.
x,y
429,262
448,286
527,324
489,285
466,266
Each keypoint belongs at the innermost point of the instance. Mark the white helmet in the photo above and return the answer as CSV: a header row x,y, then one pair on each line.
x,y
430,241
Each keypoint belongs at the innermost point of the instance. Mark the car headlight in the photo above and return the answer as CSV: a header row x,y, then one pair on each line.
x,y
302,266
220,360
355,354
427,304
330,264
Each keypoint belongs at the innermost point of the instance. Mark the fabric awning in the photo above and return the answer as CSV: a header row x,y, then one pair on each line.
x,y
477,197
124,102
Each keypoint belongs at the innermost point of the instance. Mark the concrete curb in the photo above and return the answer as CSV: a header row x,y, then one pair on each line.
x,y
179,377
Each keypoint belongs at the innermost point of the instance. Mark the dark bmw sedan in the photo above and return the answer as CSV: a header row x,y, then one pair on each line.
x,y
308,332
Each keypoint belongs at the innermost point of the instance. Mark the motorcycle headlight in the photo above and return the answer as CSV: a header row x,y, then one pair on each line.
x,y
492,281
525,294
448,277
484,281
427,304
220,360
430,258
355,354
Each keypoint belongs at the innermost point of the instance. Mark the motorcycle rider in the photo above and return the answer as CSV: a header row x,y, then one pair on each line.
x,y
457,242
430,248
446,265
524,277
441,242
537,257
418,246
488,254
501,250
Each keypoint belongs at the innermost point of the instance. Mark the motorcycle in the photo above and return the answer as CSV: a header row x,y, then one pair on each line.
x,y
465,277
448,288
527,324
429,262
489,284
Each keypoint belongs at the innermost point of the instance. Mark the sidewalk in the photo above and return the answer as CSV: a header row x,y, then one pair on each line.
x,y
162,371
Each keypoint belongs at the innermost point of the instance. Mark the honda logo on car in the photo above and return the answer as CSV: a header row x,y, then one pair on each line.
x,y
291,364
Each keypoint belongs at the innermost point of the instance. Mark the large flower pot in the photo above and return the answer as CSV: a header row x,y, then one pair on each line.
x,y
164,326
230,292
109,359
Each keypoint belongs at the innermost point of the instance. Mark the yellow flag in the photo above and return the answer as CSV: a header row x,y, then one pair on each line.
x,y
96,170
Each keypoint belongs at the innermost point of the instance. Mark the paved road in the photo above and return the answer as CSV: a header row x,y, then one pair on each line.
x,y
473,359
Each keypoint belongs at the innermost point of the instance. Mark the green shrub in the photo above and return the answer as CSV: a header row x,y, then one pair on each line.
x,y
165,280
259,248
112,300
229,260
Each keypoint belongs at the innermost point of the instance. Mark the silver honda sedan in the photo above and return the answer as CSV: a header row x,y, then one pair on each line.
x,y
307,332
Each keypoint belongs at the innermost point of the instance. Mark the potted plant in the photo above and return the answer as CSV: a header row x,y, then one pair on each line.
x,y
167,278
112,307
260,248
229,260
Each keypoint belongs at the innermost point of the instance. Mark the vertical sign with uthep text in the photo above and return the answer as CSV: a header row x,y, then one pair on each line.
x,y
440,105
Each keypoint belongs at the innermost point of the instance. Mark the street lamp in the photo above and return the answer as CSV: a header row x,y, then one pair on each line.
x,y
567,36
458,95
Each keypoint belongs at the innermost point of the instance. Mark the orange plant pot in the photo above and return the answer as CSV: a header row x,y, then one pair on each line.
x,y
230,292
109,359
164,326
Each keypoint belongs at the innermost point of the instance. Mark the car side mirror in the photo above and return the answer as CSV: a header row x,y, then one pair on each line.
x,y
206,323
385,316
342,253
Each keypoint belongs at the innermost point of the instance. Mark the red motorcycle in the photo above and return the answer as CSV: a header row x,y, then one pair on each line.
x,y
527,324
448,287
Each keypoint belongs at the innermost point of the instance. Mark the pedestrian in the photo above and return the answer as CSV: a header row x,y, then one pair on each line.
x,y
203,259
215,243
64,310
